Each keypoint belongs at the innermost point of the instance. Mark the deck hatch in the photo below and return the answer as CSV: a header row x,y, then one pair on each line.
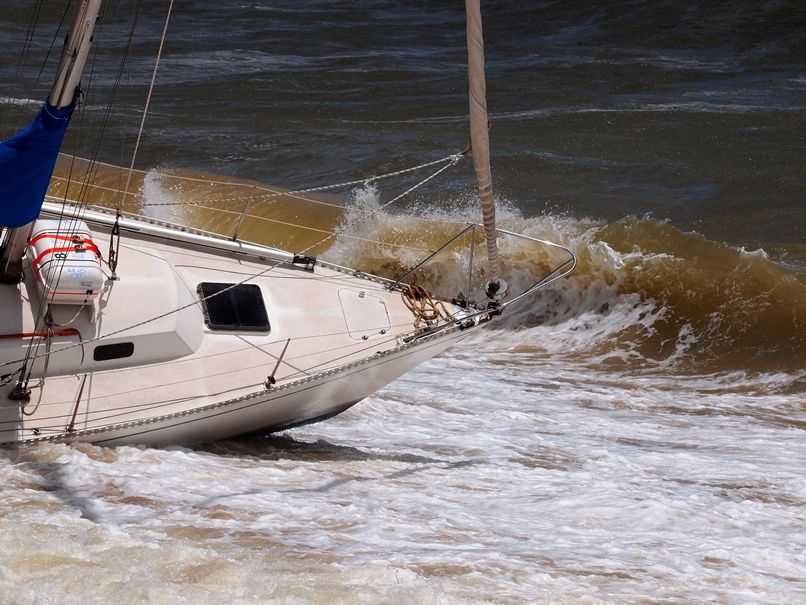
x,y
366,315
233,307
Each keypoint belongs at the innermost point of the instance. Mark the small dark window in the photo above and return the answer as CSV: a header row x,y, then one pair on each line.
x,y
238,307
118,350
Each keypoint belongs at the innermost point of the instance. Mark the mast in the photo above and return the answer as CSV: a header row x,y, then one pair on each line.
x,y
74,54
480,140
27,159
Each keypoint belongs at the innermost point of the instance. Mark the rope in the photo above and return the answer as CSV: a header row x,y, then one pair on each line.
x,y
31,355
452,159
114,240
272,193
24,386
33,348
420,303
56,37
150,91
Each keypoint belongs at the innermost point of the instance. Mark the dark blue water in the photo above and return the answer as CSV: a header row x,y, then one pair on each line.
x,y
693,112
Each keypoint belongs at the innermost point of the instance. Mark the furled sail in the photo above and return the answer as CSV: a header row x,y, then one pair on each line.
x,y
480,139
26,165
27,159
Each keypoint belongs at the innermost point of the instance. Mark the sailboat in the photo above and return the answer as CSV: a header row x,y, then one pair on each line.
x,y
200,337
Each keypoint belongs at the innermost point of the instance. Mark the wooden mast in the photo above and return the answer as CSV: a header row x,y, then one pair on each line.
x,y
480,140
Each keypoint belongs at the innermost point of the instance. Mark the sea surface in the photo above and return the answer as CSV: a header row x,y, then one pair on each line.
x,y
635,434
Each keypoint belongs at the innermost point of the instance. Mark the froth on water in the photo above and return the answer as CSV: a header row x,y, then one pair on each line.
x,y
644,296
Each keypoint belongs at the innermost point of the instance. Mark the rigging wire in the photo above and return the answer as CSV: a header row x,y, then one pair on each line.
x,y
32,351
42,323
24,54
106,414
114,250
273,265
150,92
29,37
449,161
53,41
452,160
92,167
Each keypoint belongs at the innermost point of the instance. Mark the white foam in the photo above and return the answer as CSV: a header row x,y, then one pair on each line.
x,y
159,202
22,102
518,468
484,476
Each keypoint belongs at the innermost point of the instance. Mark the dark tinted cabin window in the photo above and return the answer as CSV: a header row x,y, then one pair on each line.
x,y
118,350
238,308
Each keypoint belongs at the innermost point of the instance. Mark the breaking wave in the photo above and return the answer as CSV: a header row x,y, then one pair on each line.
x,y
643,296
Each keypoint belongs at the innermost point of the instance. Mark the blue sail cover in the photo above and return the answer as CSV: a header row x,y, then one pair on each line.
x,y
26,164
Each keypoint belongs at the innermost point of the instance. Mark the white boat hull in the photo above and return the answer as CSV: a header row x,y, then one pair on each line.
x,y
142,364
271,410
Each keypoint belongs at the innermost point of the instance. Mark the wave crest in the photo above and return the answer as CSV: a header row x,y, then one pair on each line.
x,y
644,294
